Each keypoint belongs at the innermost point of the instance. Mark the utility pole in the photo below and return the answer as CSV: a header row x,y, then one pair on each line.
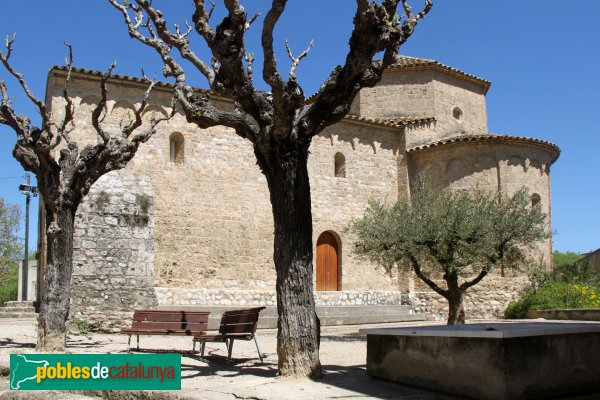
x,y
29,191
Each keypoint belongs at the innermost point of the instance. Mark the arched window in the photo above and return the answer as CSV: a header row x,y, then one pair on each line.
x,y
535,200
457,113
340,165
176,147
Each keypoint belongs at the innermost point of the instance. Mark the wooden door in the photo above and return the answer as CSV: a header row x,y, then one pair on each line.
x,y
327,262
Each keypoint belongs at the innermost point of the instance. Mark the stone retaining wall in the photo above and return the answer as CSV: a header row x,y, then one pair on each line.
x,y
488,300
202,297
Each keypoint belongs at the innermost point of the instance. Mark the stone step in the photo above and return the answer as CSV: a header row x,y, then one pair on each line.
x,y
328,315
18,304
16,309
18,315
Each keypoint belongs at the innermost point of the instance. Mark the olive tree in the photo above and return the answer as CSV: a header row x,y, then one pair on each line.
x,y
280,123
451,240
65,172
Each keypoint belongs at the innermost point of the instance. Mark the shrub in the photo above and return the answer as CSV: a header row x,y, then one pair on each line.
x,y
8,284
554,295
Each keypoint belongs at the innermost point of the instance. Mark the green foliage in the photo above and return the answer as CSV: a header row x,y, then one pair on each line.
x,y
571,267
554,295
518,309
10,250
83,327
458,233
572,284
144,202
8,284
564,260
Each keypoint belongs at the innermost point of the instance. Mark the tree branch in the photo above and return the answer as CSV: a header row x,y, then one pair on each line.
x,y
476,280
177,40
296,60
4,58
270,72
137,122
201,18
376,29
417,268
171,68
101,107
203,113
249,23
63,131
145,136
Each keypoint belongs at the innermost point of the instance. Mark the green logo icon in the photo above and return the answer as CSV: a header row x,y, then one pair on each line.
x,y
95,372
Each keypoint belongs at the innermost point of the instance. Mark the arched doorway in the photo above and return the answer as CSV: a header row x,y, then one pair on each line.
x,y
327,262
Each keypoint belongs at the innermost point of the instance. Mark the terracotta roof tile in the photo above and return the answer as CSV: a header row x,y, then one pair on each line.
x,y
553,149
391,122
414,62
114,76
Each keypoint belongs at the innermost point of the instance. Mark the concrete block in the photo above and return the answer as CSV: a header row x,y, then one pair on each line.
x,y
490,361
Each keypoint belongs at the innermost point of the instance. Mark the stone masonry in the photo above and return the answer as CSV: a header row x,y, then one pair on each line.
x,y
188,221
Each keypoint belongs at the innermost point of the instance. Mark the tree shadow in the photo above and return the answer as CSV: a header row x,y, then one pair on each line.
x,y
9,343
346,337
84,343
217,364
354,378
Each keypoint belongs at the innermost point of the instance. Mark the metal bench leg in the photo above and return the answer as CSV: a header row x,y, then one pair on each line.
x,y
260,355
203,346
230,348
193,346
129,344
138,342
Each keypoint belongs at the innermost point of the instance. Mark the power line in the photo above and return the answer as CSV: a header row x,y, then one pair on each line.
x,y
13,177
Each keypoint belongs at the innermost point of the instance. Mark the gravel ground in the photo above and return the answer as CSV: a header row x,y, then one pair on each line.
x,y
343,355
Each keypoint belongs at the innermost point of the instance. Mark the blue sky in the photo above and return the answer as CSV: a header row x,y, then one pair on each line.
x,y
541,57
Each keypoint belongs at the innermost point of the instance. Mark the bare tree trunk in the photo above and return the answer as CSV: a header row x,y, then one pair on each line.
x,y
297,335
56,290
456,311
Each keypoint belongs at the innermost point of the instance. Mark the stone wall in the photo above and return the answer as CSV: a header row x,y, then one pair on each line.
x,y
458,105
197,229
491,165
487,300
113,251
371,173
245,298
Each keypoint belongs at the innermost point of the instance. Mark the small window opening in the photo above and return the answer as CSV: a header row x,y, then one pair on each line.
x,y
457,113
340,165
176,147
535,200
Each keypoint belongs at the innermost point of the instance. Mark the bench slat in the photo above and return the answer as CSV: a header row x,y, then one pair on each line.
x,y
173,332
238,328
170,316
198,326
240,318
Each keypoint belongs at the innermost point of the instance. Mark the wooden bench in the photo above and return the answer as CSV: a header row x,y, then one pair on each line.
x,y
166,322
235,325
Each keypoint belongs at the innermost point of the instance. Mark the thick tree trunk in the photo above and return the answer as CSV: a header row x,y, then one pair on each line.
x,y
297,335
56,291
456,311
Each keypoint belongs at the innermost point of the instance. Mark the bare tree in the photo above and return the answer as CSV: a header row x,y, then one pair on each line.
x,y
65,174
280,124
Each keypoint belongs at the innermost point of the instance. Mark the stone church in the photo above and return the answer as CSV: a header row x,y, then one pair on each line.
x,y
188,222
